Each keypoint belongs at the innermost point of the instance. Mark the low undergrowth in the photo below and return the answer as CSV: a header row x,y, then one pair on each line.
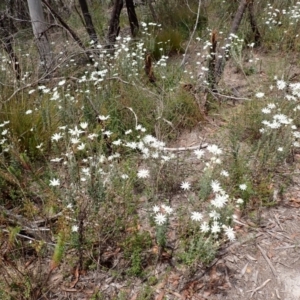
x,y
87,178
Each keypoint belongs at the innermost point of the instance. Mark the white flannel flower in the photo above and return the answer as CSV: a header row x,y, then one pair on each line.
x,y
266,110
156,208
143,173
54,182
220,200
103,118
199,153
185,185
4,132
74,228
84,125
196,216
204,227
57,159
229,232
107,133
240,201
215,185
62,82
56,137
214,215
75,141
117,142
214,149
281,84
243,187
215,228
271,105
91,136
81,146
160,219
75,131
167,209
224,173
259,95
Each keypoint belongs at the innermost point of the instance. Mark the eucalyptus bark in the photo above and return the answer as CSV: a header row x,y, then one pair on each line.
x,y
39,28
88,21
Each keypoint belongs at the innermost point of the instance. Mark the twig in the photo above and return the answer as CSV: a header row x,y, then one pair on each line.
x,y
258,288
278,222
29,238
268,260
135,116
285,247
192,35
185,148
231,97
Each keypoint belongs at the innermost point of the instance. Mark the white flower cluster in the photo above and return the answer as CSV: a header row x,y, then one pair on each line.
x,y
161,213
275,16
5,146
212,223
276,119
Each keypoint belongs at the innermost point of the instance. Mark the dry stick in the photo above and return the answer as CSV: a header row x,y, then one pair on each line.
x,y
192,35
70,30
258,288
268,260
278,222
231,97
185,148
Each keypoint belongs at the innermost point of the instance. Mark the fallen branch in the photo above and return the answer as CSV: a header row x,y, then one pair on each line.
x,y
267,260
33,229
258,288
185,148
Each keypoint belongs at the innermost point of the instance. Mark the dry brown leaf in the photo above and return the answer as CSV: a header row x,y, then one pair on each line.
x,y
160,296
295,202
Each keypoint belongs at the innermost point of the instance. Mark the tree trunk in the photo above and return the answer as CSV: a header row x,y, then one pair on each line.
x,y
253,23
114,23
233,30
39,30
133,21
7,29
88,21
